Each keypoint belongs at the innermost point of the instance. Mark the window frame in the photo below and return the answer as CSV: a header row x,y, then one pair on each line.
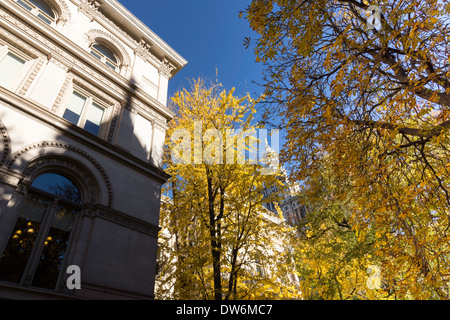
x,y
103,58
4,50
31,266
90,100
35,11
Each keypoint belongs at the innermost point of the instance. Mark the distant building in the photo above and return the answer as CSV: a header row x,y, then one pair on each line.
x,y
83,117
293,211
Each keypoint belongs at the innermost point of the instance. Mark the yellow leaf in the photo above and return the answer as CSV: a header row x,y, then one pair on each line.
x,y
434,12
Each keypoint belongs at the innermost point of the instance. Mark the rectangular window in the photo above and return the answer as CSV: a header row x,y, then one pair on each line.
x,y
40,9
111,65
95,54
18,250
25,5
10,67
94,117
75,107
55,248
44,18
84,112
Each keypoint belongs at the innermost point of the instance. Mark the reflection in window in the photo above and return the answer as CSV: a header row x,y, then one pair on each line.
x,y
84,112
23,238
55,245
105,55
39,8
59,186
38,243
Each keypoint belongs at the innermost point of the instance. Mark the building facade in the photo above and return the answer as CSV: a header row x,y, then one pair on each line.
x,y
289,204
83,116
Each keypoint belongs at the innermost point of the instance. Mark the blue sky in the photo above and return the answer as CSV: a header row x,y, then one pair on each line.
x,y
208,34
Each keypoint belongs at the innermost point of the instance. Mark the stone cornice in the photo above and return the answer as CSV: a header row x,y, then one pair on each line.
x,y
143,33
10,178
166,68
125,220
152,49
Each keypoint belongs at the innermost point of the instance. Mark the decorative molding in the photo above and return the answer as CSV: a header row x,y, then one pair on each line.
x,y
160,127
67,147
136,106
63,10
29,78
59,53
62,92
88,179
68,60
65,15
117,217
94,34
128,221
6,142
166,68
11,39
59,63
10,180
90,8
85,85
143,49
100,94
113,119
113,105
89,212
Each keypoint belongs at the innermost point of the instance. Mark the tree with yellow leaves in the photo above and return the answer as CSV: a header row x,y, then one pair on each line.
x,y
333,261
364,88
222,235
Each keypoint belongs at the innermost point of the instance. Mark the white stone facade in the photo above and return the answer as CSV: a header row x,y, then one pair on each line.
x,y
118,169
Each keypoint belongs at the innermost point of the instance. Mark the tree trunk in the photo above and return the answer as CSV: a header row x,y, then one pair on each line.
x,y
233,275
215,240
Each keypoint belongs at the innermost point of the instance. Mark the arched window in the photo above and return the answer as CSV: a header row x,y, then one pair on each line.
x,y
40,8
35,251
105,55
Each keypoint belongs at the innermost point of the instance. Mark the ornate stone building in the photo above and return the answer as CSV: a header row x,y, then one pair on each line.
x,y
293,211
83,115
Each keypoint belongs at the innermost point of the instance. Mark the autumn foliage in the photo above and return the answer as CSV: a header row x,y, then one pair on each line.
x,y
366,112
219,241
